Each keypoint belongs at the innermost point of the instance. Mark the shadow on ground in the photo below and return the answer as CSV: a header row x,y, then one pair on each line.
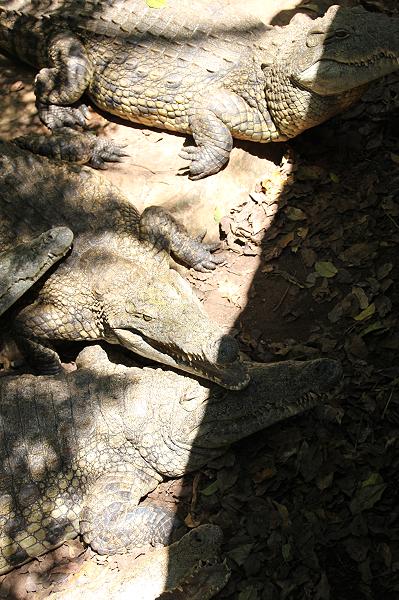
x,y
305,506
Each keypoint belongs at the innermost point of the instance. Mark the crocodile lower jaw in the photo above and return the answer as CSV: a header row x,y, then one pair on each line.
x,y
330,77
232,377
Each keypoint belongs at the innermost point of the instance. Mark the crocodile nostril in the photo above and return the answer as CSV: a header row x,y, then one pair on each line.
x,y
227,350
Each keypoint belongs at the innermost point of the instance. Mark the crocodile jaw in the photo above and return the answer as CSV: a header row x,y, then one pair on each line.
x,y
276,392
232,376
331,77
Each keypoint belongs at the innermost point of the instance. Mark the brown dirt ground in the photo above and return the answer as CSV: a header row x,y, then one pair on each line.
x,y
310,232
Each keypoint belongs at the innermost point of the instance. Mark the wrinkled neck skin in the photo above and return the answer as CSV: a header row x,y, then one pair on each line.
x,y
305,109
179,424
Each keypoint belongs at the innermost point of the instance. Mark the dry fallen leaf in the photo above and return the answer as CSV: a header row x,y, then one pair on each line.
x,y
295,214
231,291
366,313
325,268
156,3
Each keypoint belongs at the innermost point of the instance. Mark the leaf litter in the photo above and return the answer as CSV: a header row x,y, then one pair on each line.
x,y
313,509
309,507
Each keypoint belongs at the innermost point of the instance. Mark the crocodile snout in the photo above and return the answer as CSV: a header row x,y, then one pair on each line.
x,y
224,364
324,373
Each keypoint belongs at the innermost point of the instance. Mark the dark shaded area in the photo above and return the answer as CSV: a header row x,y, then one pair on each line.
x,y
310,508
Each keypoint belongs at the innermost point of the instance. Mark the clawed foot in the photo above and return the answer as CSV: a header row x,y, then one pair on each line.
x,y
209,263
106,151
206,260
161,229
204,160
74,146
56,117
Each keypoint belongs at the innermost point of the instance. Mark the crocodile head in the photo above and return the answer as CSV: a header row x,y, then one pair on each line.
x,y
277,391
343,50
155,313
25,263
195,423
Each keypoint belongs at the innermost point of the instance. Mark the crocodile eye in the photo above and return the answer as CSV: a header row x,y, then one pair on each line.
x,y
341,33
197,538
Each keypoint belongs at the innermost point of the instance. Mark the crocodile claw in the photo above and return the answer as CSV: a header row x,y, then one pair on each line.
x,y
209,265
204,160
188,152
206,260
196,168
106,151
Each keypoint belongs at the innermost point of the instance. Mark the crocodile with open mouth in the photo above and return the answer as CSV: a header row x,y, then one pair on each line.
x,y
117,283
198,68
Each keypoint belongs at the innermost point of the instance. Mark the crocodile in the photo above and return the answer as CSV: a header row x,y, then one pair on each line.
x,y
79,450
188,569
23,265
117,283
199,69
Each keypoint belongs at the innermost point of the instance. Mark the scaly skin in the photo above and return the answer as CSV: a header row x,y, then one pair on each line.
x,y
117,283
201,70
189,569
79,451
24,264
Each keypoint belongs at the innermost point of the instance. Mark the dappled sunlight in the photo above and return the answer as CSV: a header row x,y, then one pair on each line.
x,y
309,234
114,285
66,431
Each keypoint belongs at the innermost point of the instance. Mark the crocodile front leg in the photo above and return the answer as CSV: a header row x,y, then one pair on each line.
x,y
63,83
214,122
165,233
65,314
43,358
73,146
214,143
111,521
